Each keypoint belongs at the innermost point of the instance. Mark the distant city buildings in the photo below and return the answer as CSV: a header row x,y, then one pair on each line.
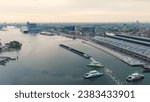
x,y
130,29
84,30
100,31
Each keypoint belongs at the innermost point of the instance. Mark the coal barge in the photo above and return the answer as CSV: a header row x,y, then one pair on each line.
x,y
75,51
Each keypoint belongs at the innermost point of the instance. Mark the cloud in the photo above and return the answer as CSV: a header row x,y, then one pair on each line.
x,y
75,9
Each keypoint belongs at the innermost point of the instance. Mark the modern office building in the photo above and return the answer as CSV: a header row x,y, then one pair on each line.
x,y
32,27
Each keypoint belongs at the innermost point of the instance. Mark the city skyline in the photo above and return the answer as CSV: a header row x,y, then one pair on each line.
x,y
74,10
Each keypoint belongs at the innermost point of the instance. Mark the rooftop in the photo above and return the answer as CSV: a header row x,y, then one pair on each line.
x,y
132,47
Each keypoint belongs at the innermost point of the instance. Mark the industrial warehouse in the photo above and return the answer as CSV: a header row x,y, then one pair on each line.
x,y
137,47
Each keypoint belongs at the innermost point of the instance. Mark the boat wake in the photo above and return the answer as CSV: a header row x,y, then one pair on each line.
x,y
92,59
109,73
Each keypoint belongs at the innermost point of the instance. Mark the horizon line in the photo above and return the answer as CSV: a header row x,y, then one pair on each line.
x,y
75,22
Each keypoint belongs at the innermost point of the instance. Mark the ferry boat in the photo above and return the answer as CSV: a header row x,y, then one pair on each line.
x,y
134,77
95,63
92,74
24,29
47,33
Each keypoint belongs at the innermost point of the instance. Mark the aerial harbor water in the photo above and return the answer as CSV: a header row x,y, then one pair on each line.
x,y
41,61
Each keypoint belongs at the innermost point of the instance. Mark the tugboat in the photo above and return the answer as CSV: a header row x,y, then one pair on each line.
x,y
92,74
134,77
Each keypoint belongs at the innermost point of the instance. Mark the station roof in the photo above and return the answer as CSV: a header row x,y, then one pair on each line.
x,y
145,43
132,47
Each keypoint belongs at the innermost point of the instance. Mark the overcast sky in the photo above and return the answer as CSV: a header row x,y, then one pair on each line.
x,y
74,10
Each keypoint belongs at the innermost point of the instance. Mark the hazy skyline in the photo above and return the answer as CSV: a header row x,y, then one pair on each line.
x,y
74,10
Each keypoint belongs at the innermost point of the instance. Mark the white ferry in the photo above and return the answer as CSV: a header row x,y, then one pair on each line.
x,y
92,74
134,77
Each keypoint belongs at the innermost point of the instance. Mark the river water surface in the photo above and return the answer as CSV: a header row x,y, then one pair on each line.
x,y
42,62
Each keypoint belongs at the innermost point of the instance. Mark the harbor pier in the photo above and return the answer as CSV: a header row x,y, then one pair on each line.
x,y
75,51
4,60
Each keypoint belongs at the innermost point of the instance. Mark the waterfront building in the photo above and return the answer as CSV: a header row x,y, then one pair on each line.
x,y
132,39
147,33
99,31
70,28
32,27
134,49
84,30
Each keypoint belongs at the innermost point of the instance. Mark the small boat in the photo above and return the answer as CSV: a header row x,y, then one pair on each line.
x,y
92,74
47,33
134,77
24,29
95,63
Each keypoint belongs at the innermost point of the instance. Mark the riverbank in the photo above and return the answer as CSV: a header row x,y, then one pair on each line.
x,y
123,57
9,47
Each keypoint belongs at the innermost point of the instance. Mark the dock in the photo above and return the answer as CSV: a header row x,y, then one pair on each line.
x,y
75,51
146,68
4,60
